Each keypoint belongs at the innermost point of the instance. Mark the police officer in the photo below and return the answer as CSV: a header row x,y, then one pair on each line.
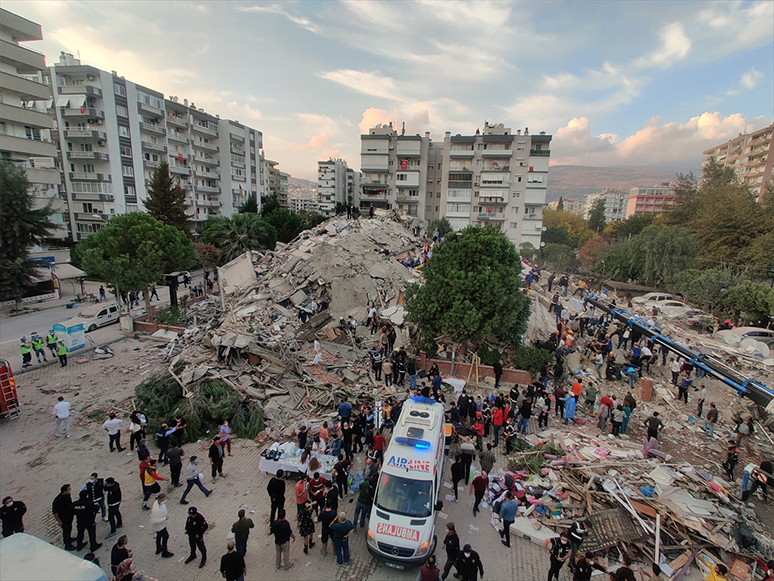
x,y
26,351
85,512
113,493
194,528
96,489
51,340
62,508
11,514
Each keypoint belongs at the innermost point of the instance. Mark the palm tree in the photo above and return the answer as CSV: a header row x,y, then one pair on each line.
x,y
238,234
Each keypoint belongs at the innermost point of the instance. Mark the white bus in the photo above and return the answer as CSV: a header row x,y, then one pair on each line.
x,y
401,529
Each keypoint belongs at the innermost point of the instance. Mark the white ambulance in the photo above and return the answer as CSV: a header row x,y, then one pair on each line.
x,y
401,529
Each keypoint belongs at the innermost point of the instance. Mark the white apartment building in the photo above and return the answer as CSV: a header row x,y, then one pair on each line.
x,y
114,133
749,155
26,128
615,204
496,177
337,183
570,205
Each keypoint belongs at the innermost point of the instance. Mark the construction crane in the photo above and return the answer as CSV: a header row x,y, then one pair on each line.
x,y
745,386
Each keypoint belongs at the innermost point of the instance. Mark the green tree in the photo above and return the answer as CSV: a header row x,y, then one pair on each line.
x,y
704,288
597,215
133,250
753,299
574,225
590,251
471,289
208,255
443,225
560,205
527,251
341,208
21,226
312,219
268,205
559,257
556,235
250,205
287,224
632,226
166,200
236,235
664,251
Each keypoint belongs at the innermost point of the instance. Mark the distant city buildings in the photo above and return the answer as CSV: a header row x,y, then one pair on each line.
x,y
336,184
494,177
570,205
615,204
750,156
27,136
654,200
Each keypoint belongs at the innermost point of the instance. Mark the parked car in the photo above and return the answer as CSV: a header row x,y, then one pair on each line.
x,y
647,299
763,335
98,316
670,308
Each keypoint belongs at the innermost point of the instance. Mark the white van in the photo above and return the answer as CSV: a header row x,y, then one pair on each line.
x,y
98,316
401,529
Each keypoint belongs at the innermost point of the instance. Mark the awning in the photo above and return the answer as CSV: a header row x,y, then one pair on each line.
x,y
41,275
63,102
78,101
65,270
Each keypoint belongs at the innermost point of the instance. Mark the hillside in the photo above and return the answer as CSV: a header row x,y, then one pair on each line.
x,y
300,182
574,181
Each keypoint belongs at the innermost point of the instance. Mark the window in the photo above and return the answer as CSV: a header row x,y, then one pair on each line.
x,y
126,151
123,131
429,195
437,208
151,100
514,210
87,147
438,195
130,191
127,170
119,90
429,180
431,166
514,224
518,179
88,168
87,208
428,208
122,111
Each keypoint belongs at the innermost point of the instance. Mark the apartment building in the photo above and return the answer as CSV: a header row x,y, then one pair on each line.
x,y
114,133
569,205
749,155
615,204
26,127
393,169
335,182
650,200
274,182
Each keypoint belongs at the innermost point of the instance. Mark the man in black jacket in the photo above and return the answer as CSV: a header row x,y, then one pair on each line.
x,y
469,564
113,491
585,567
451,544
11,513
194,528
85,514
457,474
216,458
96,489
276,490
62,508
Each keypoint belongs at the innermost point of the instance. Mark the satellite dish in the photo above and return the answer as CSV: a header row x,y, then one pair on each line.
x,y
768,362
731,338
749,344
542,244
763,348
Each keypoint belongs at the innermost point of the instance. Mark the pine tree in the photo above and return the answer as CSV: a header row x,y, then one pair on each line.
x,y
166,200
560,205
21,226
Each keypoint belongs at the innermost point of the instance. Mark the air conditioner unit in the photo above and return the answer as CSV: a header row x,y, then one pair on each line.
x,y
90,77
90,121
99,122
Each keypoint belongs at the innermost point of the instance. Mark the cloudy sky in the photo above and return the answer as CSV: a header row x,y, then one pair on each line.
x,y
616,83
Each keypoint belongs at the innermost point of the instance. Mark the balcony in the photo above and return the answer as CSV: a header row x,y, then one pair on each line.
x,y
533,217
203,130
177,138
206,160
198,217
26,89
456,153
492,216
95,155
150,146
497,153
206,146
85,134
492,201
209,203
407,199
89,197
26,116
34,147
89,176
179,170
81,90
151,128
21,58
239,138
86,113
207,175
93,217
535,197
150,109
208,189
540,152
176,121
150,164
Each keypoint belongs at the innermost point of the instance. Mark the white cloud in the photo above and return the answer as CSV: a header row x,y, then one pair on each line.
x,y
656,143
675,47
277,9
750,78
364,82
733,26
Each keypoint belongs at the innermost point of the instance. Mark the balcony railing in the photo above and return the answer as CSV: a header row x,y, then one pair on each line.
x,y
177,138
177,121
180,170
209,203
92,217
204,130
150,164
208,189
540,152
207,175
150,127
88,112
206,146
89,176
95,155
407,200
206,160
497,153
492,201
85,134
150,109
80,90
89,197
149,145
486,216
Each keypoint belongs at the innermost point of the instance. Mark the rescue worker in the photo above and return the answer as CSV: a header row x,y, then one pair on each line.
x,y
51,340
61,351
26,351
37,346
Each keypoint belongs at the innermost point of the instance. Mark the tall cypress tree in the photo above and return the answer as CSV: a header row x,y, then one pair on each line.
x,y
21,226
166,200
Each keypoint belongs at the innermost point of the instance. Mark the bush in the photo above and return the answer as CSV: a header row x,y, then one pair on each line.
x,y
171,316
211,401
531,359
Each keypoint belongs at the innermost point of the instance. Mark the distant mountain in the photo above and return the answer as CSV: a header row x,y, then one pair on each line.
x,y
300,182
575,181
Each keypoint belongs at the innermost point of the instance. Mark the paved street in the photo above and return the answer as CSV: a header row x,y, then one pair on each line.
x,y
35,464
